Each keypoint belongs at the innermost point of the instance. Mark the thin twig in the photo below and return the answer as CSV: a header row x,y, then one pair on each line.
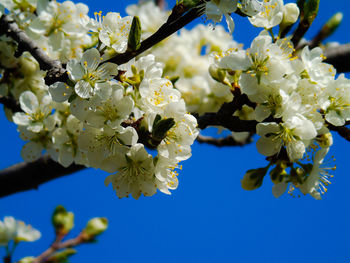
x,y
174,23
58,245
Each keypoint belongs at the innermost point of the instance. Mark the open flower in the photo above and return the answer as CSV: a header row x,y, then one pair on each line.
x,y
215,9
315,184
135,173
16,230
91,78
36,115
293,134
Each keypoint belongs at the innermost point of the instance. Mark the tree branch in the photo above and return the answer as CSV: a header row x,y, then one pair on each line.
x,y
10,103
224,117
341,130
221,142
55,70
26,176
175,22
59,245
339,57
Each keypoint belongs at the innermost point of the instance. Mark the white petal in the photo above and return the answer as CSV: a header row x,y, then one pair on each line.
x,y
279,189
84,89
60,91
29,102
92,58
21,118
31,151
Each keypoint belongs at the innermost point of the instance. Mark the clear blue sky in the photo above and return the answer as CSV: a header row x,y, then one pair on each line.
x,y
209,218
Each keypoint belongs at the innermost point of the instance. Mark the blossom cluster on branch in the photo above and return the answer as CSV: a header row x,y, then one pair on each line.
x,y
137,120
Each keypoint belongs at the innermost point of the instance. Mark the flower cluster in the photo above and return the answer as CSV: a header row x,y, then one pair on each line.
x,y
296,96
136,120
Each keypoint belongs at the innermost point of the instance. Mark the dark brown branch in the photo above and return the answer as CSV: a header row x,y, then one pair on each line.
x,y
221,142
341,130
26,176
175,22
10,103
339,57
55,70
224,117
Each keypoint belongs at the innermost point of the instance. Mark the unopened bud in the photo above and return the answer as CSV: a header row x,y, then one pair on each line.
x,y
28,64
332,24
290,14
62,220
253,178
311,10
217,74
325,140
278,172
27,260
96,226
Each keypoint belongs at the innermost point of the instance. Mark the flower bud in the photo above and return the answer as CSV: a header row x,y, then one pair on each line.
x,y
28,64
325,140
290,14
216,73
62,220
27,260
332,24
96,226
277,174
311,10
253,178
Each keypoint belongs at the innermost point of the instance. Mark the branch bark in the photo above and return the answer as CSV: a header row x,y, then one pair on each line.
x,y
10,103
221,142
26,176
175,22
54,67
339,57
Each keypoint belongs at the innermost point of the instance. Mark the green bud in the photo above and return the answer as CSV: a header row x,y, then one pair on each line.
x,y
332,24
96,226
217,74
311,10
28,64
325,140
27,260
62,220
253,178
62,256
278,172
135,34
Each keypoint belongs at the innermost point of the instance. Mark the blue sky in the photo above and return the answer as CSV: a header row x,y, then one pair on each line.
x,y
209,218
